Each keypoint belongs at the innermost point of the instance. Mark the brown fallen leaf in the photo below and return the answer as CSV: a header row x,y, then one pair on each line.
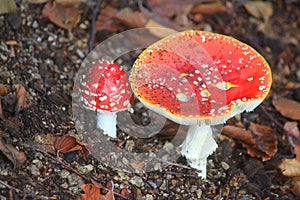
x,y
92,191
105,20
290,167
45,142
15,156
67,143
3,89
209,8
133,19
169,8
21,95
65,17
287,107
259,9
260,141
294,134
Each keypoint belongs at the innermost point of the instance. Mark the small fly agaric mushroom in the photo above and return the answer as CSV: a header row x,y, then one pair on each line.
x,y
200,79
105,88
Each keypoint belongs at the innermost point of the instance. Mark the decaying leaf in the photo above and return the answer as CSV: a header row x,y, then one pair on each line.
x,y
3,89
45,142
67,143
105,20
133,19
260,141
259,9
21,95
93,192
287,107
209,8
290,167
15,156
294,133
63,16
7,6
169,8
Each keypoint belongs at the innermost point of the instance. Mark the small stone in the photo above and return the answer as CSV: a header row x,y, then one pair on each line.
x,y
34,170
80,53
194,188
64,185
149,197
35,24
168,147
85,169
73,179
138,181
64,173
199,193
225,165
83,26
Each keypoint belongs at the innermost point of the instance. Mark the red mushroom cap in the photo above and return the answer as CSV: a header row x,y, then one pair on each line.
x,y
105,87
197,77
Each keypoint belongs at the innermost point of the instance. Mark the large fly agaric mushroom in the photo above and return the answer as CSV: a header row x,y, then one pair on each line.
x,y
104,87
200,79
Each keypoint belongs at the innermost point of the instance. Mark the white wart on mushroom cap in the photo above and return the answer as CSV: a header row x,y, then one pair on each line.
x,y
196,77
105,87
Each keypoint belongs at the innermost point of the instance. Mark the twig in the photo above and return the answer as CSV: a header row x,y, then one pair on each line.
x,y
9,186
65,165
273,119
69,168
93,28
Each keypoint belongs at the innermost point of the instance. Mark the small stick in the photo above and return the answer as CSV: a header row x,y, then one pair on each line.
x,y
9,186
93,24
69,168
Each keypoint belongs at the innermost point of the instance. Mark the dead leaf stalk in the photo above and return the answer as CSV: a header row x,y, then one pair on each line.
x,y
273,119
69,168
96,11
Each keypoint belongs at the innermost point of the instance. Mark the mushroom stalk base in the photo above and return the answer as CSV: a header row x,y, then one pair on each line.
x,y
107,121
197,146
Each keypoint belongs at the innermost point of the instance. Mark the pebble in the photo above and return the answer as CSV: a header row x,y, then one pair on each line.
x,y
168,147
86,169
73,179
225,165
34,170
64,173
138,181
80,53
149,197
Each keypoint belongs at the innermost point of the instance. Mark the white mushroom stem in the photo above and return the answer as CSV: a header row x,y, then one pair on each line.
x,y
197,146
107,121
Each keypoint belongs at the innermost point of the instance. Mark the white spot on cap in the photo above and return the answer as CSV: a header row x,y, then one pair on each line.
x,y
203,38
93,102
197,71
250,79
103,98
126,103
95,85
204,66
113,89
182,97
262,87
